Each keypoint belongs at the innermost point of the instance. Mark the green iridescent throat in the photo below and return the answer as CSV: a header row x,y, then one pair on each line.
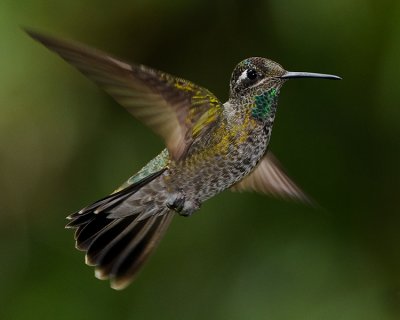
x,y
263,104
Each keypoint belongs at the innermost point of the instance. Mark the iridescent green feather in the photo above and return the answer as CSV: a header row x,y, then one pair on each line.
x,y
263,104
156,164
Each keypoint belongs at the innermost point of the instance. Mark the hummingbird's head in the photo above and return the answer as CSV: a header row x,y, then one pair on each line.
x,y
254,76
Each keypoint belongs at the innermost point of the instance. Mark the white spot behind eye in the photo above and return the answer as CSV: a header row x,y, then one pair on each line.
x,y
242,76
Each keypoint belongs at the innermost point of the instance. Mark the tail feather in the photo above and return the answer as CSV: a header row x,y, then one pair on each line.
x,y
79,220
118,247
111,242
127,252
85,235
133,257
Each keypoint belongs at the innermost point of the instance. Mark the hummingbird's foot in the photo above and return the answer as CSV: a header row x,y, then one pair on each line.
x,y
189,207
178,203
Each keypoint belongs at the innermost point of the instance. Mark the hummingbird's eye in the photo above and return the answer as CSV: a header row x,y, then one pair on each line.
x,y
252,74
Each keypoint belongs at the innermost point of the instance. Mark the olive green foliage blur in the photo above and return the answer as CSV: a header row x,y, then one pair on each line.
x,y
64,143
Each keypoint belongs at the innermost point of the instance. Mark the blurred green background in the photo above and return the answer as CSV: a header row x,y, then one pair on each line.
x,y
64,143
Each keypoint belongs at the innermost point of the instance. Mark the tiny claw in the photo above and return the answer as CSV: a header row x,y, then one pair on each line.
x,y
190,207
176,201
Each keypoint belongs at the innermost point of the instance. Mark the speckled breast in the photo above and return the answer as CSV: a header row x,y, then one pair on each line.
x,y
200,177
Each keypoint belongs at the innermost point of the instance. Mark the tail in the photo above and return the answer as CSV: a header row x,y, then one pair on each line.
x,y
118,247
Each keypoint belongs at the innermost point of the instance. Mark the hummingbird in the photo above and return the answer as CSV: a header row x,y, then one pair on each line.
x,y
210,146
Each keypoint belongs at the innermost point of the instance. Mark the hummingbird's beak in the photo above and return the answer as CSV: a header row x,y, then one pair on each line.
x,y
289,75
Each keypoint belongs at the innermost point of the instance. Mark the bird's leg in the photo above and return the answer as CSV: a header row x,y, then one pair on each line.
x,y
177,202
189,207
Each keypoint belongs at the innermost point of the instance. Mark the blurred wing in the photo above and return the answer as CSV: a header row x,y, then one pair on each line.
x,y
176,109
269,178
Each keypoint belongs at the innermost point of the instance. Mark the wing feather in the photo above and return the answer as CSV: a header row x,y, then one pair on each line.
x,y
269,178
168,105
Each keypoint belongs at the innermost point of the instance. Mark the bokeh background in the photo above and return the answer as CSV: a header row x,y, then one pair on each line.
x,y
64,143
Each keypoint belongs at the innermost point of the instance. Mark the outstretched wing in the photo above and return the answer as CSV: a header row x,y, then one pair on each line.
x,y
270,179
174,108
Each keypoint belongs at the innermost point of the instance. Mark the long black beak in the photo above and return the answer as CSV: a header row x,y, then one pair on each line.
x,y
289,75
